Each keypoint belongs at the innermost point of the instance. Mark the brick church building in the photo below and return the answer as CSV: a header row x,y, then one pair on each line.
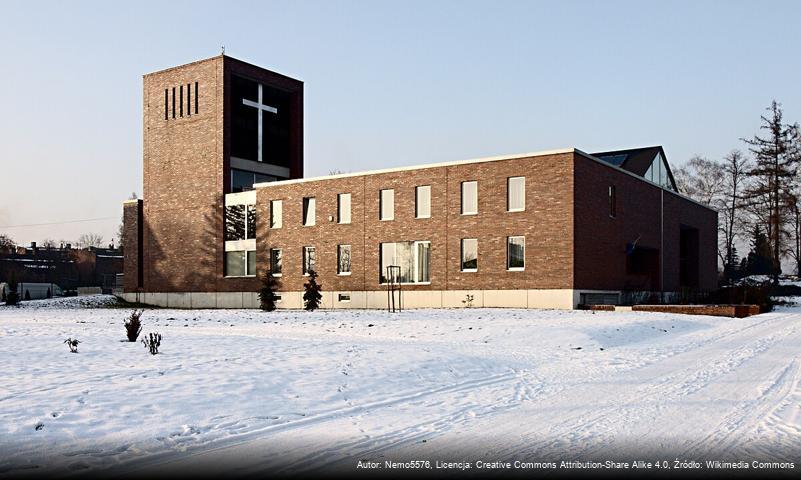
x,y
225,203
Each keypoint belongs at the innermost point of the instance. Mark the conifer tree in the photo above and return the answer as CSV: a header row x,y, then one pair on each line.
x,y
268,292
311,294
776,158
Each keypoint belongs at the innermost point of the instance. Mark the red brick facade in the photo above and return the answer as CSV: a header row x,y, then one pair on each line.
x,y
573,244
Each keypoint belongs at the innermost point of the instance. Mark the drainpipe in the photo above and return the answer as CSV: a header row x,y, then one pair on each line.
x,y
662,243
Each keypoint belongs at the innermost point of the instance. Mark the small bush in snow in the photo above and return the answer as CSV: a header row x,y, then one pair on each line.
x,y
12,297
468,300
133,326
73,344
152,342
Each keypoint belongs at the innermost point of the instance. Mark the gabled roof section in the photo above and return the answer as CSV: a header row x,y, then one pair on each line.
x,y
647,162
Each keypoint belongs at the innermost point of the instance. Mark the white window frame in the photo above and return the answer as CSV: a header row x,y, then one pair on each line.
x,y
472,183
415,263
309,211
247,274
281,256
509,254
509,195
306,250
276,206
461,261
340,210
417,192
350,259
389,201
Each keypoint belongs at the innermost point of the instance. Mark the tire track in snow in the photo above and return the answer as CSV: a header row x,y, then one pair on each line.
x,y
582,427
745,417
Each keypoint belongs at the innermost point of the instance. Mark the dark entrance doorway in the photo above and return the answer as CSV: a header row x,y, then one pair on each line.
x,y
688,257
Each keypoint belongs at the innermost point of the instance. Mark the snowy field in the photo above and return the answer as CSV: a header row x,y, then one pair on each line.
x,y
295,391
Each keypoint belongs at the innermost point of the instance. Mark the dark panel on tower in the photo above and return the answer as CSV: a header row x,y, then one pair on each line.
x,y
244,120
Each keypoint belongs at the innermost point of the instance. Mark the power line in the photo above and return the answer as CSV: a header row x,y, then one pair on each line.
x,y
59,223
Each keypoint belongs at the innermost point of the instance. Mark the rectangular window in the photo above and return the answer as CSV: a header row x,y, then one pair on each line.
x,y
196,95
309,211
181,102
189,99
413,258
515,253
343,208
276,265
469,198
309,259
173,102
251,271
166,104
516,194
469,254
343,259
387,204
344,297
240,263
235,228
612,201
276,213
422,201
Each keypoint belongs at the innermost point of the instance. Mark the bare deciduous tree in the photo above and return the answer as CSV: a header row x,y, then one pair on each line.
x,y
701,179
730,207
6,243
87,240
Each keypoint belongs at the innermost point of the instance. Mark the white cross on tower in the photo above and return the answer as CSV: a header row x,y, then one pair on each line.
x,y
260,107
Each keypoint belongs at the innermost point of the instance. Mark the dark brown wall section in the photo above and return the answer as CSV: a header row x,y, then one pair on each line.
x,y
601,241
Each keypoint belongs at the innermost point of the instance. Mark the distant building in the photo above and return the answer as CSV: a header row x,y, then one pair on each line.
x,y
67,267
225,202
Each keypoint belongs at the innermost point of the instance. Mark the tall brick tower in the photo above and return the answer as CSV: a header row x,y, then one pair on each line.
x,y
211,127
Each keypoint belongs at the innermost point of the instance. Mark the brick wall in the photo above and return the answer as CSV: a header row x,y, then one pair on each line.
x,y
546,223
131,232
186,174
600,240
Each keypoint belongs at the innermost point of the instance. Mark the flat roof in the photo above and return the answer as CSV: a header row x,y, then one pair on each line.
x,y
479,160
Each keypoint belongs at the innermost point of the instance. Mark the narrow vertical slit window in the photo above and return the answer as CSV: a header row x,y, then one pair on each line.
x,y
181,100
173,102
197,92
166,103
189,99
612,201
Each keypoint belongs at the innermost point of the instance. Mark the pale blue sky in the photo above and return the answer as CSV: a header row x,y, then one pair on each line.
x,y
386,84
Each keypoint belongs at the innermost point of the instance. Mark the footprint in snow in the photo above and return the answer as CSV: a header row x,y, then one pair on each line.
x,y
39,426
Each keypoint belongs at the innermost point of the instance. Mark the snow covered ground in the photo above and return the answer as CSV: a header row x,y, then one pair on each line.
x,y
295,391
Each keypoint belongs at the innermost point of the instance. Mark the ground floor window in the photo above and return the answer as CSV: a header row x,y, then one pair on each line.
x,y
309,259
516,253
469,254
343,259
240,263
276,262
413,258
